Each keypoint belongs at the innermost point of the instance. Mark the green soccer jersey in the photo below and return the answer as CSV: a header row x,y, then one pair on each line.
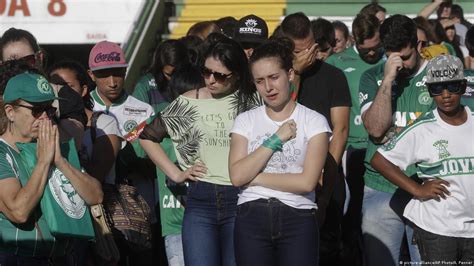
x,y
32,238
410,99
146,90
171,210
468,97
353,67
170,198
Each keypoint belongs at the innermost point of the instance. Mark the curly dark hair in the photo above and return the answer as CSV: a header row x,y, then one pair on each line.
x,y
11,68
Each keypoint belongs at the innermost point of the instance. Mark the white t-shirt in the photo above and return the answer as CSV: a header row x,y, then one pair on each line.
x,y
256,126
106,125
441,151
131,114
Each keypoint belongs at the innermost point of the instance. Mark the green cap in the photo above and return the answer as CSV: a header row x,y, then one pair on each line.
x,y
28,87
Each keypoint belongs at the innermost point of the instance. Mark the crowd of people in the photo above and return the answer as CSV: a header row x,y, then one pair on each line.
x,y
314,145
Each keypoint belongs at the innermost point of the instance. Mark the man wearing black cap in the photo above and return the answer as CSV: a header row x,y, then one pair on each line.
x,y
250,32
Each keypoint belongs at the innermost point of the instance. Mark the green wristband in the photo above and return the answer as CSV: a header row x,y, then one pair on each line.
x,y
274,143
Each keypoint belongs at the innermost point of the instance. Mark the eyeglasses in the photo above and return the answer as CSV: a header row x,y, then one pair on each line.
x,y
376,49
38,110
219,77
454,87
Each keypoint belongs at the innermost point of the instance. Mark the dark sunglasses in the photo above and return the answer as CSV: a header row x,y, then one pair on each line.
x,y
38,110
219,77
455,87
376,49
29,60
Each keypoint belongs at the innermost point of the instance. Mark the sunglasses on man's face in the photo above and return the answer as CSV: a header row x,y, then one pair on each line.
x,y
219,77
38,110
455,87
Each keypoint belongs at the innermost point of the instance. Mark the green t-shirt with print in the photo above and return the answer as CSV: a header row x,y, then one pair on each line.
x,y
199,129
170,198
32,238
353,67
410,99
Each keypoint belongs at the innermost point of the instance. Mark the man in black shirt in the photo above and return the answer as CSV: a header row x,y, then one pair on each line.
x,y
319,86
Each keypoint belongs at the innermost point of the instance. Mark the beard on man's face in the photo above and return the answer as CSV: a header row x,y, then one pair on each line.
x,y
371,59
407,72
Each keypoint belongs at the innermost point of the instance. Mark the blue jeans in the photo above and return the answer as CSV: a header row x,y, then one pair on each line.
x,y
444,250
208,225
268,232
174,250
383,228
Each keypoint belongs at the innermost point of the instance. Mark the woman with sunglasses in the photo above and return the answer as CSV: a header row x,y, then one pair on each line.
x,y
18,44
277,154
440,144
198,122
25,117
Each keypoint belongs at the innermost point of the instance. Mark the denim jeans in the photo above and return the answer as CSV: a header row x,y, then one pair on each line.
x,y
208,225
444,250
383,228
12,260
268,232
174,250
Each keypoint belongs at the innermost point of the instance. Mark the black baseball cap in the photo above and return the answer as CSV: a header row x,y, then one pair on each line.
x,y
251,29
